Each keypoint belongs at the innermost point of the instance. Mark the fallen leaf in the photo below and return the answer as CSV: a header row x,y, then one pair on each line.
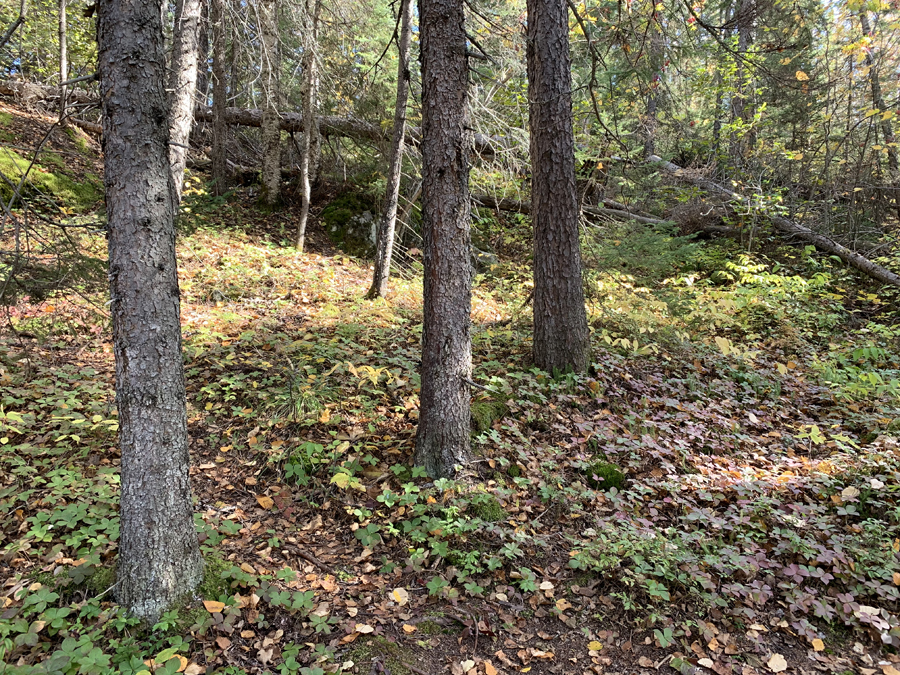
x,y
645,662
247,634
250,480
408,628
706,663
467,665
595,646
182,663
546,586
213,606
489,668
818,645
400,596
265,502
364,628
194,669
223,642
888,669
849,493
248,568
777,664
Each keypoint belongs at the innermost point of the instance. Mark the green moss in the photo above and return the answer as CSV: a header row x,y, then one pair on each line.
x,y
392,654
80,140
5,119
429,627
485,413
604,476
514,471
213,586
345,227
486,507
42,181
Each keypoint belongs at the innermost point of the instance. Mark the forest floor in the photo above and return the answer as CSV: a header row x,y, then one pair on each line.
x,y
718,494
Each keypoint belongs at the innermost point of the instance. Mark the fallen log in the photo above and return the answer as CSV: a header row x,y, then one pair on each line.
x,y
330,125
29,92
789,227
514,206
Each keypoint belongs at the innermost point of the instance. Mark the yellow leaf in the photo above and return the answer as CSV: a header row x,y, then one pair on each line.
x,y
818,645
342,480
873,112
777,664
801,76
265,502
489,668
595,646
896,578
213,606
409,628
400,596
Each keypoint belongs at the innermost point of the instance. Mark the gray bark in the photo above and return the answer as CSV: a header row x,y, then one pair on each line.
x,y
14,26
385,244
271,131
159,555
740,141
790,228
203,55
63,59
219,129
311,136
561,336
442,439
182,84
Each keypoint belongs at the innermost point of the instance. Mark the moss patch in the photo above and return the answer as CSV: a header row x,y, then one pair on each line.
x,y
391,654
485,413
604,476
213,586
486,507
350,221
45,182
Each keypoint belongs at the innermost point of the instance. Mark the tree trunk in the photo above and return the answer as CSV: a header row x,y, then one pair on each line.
x,y
561,336
203,55
271,131
159,554
792,229
14,26
742,137
657,68
311,135
442,440
182,83
219,130
385,244
887,129
63,59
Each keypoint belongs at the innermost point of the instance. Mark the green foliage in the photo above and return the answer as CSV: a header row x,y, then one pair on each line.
x,y
604,476
46,185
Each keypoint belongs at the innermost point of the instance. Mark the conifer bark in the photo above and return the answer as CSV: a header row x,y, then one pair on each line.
x,y
182,84
561,337
219,130
442,439
159,555
271,131
63,60
385,244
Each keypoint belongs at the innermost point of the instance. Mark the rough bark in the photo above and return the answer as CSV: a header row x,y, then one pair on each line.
x,y
442,439
63,59
790,228
182,84
159,555
385,244
203,55
219,128
561,336
349,127
657,56
310,137
271,131
741,138
14,26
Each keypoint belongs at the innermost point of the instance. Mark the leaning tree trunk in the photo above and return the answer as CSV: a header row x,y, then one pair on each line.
x,y
219,130
63,60
159,555
271,131
561,336
385,244
311,135
182,83
14,26
442,439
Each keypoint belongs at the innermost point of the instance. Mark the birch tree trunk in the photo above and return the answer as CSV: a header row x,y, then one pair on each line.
x,y
442,439
182,84
271,131
219,130
385,243
311,134
63,59
561,336
159,555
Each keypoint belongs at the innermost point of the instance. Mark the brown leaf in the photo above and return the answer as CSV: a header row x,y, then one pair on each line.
x,y
213,606
223,642
194,669
777,664
644,662
489,668
265,502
